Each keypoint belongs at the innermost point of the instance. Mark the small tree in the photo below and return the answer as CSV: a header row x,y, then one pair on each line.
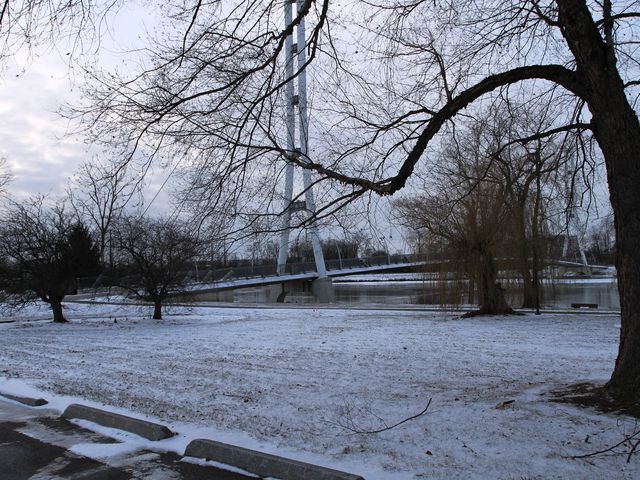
x,y
155,255
99,192
495,183
43,253
465,213
530,173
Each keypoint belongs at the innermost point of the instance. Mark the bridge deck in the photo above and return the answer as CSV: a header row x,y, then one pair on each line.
x,y
292,277
229,278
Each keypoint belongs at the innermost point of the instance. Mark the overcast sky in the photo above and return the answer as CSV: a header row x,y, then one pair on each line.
x,y
32,134
34,138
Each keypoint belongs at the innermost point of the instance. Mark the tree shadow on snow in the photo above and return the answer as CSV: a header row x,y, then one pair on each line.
x,y
595,396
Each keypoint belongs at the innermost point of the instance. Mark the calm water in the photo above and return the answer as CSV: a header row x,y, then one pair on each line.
x,y
556,295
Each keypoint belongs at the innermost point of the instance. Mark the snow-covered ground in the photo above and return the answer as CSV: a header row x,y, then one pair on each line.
x,y
285,380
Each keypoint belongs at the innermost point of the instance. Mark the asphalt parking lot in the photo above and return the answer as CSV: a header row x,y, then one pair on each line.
x,y
36,444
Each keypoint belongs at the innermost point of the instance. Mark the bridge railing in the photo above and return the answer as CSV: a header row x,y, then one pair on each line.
x,y
217,275
258,271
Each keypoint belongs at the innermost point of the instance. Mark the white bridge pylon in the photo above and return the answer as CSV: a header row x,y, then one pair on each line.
x,y
299,123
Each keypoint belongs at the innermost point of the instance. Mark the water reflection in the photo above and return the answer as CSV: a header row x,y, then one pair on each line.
x,y
559,294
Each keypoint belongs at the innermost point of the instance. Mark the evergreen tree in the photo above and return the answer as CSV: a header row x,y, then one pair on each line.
x,y
82,255
43,253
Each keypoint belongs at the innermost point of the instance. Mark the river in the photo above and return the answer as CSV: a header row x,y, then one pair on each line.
x,y
557,294
402,290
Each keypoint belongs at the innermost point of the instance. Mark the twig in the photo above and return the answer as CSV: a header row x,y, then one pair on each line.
x,y
633,450
386,427
613,447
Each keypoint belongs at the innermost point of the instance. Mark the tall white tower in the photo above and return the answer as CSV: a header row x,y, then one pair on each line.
x,y
297,123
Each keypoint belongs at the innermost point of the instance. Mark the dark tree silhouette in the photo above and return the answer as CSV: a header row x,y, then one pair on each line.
x,y
215,85
83,253
43,253
98,192
154,257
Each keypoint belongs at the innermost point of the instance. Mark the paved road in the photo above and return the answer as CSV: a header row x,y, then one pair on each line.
x,y
35,443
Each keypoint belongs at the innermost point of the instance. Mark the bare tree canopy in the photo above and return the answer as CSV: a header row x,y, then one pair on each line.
x,y
154,256
99,192
388,77
489,201
26,24
43,252
5,175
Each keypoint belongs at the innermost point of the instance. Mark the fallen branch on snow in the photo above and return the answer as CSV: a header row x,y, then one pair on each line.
x,y
631,441
346,421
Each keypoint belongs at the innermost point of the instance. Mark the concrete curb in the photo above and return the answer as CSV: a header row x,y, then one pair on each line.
x,y
149,430
263,464
32,402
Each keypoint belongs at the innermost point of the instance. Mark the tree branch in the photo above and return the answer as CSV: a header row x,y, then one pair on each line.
x,y
626,439
545,134
554,73
386,427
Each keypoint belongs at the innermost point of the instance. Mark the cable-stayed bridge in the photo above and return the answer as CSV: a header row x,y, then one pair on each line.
x,y
214,280
207,283
250,276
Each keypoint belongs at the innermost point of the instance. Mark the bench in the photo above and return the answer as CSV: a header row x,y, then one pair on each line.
x,y
586,305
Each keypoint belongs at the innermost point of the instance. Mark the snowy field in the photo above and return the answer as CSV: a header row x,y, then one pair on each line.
x,y
290,381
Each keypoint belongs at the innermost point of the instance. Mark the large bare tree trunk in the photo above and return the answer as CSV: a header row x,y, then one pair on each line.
x,y
625,182
617,130
618,133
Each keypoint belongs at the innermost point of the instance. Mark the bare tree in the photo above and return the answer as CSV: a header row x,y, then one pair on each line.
x,y
26,24
44,251
387,90
99,192
527,178
466,213
154,256
533,174
5,175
